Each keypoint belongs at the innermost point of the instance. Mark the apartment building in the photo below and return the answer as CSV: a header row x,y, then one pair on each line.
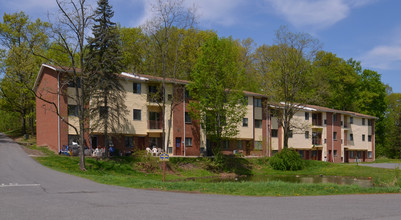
x,y
325,134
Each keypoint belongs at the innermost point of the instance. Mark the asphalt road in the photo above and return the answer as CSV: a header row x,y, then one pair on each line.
x,y
382,165
31,191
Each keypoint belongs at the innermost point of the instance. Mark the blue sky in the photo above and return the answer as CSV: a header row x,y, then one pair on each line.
x,y
365,30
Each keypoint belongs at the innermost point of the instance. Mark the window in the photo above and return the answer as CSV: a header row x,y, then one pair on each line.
x,y
306,134
188,142
274,132
369,122
363,121
334,135
363,137
325,140
351,137
335,153
239,144
129,142
137,114
136,88
351,120
169,97
72,110
258,102
307,116
351,154
370,138
153,89
73,138
103,111
258,123
245,100
301,153
187,96
226,144
335,117
359,154
258,145
290,134
188,119
72,83
178,142
369,154
325,121
245,122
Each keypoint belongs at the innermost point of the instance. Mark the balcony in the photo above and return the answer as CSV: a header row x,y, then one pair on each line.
x,y
155,97
317,119
316,141
155,124
316,122
316,138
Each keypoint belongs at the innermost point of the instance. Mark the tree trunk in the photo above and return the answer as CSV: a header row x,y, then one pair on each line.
x,y
23,122
106,124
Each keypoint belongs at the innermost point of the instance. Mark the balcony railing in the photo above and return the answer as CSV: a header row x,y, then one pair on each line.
x,y
317,141
316,122
155,124
155,97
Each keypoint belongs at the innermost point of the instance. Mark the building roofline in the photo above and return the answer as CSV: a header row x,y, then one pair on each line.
x,y
150,78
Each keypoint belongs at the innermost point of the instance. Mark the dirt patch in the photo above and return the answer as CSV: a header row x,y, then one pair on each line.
x,y
31,152
187,166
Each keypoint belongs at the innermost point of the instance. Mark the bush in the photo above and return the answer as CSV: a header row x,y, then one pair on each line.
x,y
287,159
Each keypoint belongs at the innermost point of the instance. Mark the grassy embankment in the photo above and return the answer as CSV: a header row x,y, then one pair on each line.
x,y
141,171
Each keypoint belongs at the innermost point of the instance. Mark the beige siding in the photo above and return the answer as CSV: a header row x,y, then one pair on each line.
x,y
298,140
73,120
357,129
247,132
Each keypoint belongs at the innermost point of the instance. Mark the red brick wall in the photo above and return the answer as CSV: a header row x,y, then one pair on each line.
x,y
333,127
373,142
264,127
192,130
46,114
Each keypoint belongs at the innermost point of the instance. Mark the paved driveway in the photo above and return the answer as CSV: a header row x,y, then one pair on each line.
x,y
383,165
31,191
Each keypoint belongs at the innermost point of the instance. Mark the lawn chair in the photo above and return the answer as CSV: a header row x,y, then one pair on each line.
x,y
148,150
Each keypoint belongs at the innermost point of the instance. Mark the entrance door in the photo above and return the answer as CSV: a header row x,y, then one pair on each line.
x,y
346,159
94,142
178,146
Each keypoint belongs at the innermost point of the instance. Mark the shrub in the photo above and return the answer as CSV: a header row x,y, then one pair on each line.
x,y
287,159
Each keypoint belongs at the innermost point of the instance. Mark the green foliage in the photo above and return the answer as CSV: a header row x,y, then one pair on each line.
x,y
20,38
336,83
287,159
122,172
104,61
217,89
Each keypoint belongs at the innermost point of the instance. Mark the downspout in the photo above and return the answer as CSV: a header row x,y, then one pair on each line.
x,y
58,109
332,138
268,132
183,141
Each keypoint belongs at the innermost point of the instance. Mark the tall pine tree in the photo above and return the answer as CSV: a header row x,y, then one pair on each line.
x,y
104,61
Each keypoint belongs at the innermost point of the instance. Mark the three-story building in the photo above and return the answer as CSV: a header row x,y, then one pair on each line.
x,y
322,134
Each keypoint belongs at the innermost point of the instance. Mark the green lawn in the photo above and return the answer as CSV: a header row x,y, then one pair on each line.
x,y
140,171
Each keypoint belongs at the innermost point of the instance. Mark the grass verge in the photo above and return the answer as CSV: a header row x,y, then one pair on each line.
x,y
144,172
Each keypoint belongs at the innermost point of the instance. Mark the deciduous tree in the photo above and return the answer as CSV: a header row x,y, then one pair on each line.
x,y
217,90
285,73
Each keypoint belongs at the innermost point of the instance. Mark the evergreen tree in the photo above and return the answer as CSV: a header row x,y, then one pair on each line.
x,y
104,61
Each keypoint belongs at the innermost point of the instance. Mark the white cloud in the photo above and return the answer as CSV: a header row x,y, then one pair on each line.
x,y
385,57
221,12
208,11
316,14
